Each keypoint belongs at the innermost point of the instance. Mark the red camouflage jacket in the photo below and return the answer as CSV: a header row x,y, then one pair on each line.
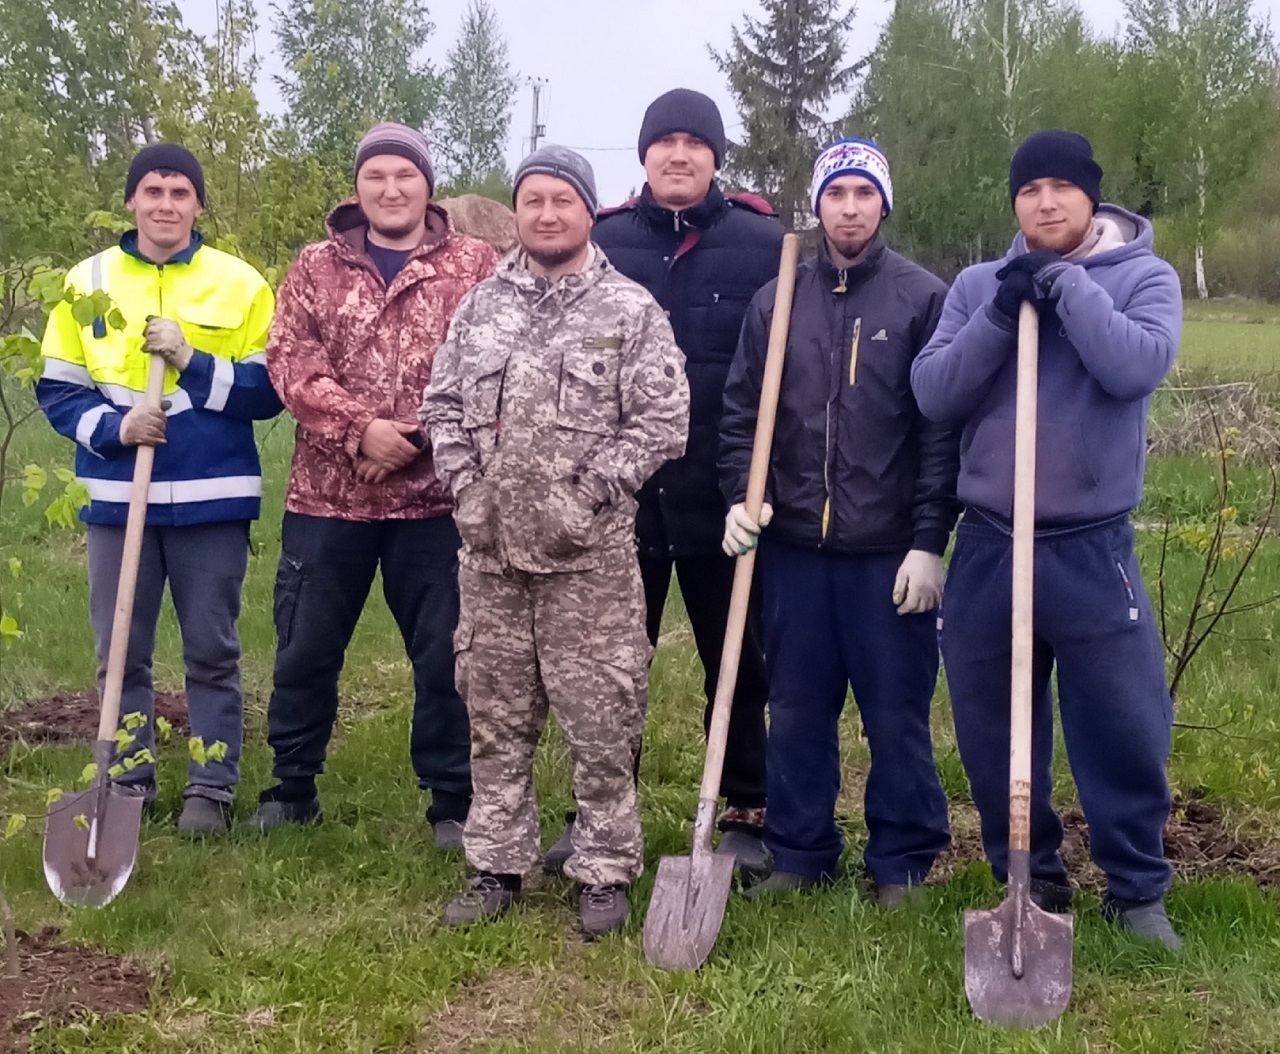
x,y
345,348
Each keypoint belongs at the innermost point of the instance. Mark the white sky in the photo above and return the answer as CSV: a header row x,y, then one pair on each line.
x,y
606,60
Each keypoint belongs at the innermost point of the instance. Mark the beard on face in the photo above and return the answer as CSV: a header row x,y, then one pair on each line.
x,y
847,246
550,258
402,230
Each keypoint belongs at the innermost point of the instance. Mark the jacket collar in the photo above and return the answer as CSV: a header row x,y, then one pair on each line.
x,y
844,279
697,217
538,289
129,245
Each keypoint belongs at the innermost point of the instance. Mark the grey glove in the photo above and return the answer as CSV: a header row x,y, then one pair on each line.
x,y
143,426
164,337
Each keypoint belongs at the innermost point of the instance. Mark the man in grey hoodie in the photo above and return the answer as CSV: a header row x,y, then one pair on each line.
x,y
1111,317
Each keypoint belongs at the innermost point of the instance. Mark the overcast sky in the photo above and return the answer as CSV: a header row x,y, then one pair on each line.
x,y
605,61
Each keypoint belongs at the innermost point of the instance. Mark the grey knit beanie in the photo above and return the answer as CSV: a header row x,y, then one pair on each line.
x,y
401,141
563,163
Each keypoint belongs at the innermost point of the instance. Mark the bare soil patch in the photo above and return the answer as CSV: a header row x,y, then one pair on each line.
x,y
73,718
1197,841
59,984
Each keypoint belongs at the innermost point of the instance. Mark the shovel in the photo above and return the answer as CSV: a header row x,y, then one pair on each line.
x,y
1017,958
690,892
91,838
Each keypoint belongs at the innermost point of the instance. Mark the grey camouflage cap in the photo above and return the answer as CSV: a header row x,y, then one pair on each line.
x,y
563,163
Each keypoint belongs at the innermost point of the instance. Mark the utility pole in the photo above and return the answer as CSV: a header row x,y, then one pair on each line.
x,y
536,130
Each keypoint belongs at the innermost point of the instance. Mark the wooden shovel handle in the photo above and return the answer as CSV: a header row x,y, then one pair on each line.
x,y
1024,529
757,477
135,525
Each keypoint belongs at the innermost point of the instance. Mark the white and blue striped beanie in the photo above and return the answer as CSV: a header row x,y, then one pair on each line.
x,y
852,157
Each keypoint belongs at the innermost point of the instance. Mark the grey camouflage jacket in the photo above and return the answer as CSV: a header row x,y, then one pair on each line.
x,y
550,403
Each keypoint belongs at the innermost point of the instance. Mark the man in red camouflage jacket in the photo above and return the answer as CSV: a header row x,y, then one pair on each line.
x,y
360,317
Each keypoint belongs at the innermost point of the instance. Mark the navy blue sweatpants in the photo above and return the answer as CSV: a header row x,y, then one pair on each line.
x,y
830,624
1094,622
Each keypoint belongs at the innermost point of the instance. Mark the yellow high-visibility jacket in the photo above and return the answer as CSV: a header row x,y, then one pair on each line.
x,y
208,470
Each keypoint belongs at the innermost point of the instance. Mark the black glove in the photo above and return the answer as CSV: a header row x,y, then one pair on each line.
x,y
1018,281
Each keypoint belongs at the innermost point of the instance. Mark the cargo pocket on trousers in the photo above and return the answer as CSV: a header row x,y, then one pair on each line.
x,y
462,639
288,587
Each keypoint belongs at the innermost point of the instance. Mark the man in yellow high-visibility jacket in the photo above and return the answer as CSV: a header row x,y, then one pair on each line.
x,y
207,314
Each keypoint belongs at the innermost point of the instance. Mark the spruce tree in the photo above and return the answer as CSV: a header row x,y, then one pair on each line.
x,y
783,70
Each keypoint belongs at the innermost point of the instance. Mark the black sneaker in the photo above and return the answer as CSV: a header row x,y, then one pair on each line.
x,y
1053,897
488,896
604,908
780,882
204,816
750,855
287,803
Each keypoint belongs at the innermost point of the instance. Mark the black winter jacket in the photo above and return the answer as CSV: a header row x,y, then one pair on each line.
x,y
856,468
703,265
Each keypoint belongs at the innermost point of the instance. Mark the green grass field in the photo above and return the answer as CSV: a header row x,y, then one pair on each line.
x,y
328,939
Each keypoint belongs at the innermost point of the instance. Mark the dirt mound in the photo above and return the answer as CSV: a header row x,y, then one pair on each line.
x,y
73,718
1196,841
59,984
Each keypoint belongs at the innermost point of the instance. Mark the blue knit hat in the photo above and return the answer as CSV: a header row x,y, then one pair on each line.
x,y
852,157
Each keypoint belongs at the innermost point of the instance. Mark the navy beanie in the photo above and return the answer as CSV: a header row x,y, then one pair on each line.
x,y
167,156
1056,154
683,110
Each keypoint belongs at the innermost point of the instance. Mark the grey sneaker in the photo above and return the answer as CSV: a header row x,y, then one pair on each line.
x,y
604,909
488,896
892,895
1147,920
447,834
272,812
779,882
203,816
750,855
553,863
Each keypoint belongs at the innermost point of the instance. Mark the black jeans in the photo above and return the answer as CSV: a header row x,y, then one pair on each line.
x,y
705,584
326,571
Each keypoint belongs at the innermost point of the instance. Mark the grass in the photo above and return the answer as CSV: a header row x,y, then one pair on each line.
x,y
328,940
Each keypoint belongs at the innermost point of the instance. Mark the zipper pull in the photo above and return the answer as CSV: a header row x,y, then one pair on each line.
x,y
842,287
675,216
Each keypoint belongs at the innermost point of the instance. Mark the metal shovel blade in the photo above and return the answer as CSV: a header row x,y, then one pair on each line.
x,y
91,844
687,909
1017,983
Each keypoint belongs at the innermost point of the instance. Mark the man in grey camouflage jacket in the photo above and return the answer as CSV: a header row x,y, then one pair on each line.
x,y
558,392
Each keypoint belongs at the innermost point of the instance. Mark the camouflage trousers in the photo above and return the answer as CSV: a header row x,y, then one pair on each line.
x,y
573,643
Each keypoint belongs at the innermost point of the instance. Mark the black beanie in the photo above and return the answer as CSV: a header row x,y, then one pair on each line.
x,y
168,156
1056,154
683,110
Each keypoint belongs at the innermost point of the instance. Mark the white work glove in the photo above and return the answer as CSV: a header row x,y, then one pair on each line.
x,y
918,586
741,532
164,337
143,426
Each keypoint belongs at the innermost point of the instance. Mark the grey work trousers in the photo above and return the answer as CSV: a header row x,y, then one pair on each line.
x,y
204,565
